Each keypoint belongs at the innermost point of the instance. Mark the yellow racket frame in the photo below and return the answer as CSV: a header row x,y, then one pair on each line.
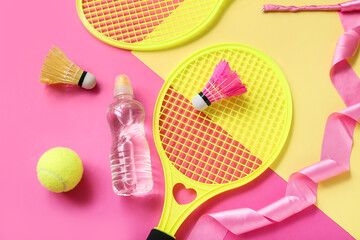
x,y
173,213
165,35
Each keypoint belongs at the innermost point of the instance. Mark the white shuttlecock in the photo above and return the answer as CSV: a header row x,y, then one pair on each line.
x,y
223,83
57,68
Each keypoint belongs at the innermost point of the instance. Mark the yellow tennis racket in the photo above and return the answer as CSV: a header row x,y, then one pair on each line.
x,y
230,143
146,24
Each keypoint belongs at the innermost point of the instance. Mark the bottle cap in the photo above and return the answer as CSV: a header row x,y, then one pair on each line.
x,y
123,86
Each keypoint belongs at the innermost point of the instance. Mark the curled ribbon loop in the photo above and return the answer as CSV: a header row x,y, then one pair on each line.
x,y
335,153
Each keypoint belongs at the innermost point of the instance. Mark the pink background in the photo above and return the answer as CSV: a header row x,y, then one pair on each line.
x,y
35,117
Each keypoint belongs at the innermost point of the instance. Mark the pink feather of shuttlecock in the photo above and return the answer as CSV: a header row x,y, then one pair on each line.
x,y
223,83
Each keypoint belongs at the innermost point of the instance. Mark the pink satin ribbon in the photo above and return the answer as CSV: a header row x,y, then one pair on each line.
x,y
335,155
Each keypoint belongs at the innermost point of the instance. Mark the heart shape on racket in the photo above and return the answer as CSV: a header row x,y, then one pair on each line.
x,y
230,143
146,24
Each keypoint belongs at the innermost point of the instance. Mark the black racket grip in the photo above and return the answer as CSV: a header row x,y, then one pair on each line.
x,y
159,235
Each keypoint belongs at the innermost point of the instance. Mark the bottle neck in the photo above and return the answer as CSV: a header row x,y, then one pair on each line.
x,y
123,96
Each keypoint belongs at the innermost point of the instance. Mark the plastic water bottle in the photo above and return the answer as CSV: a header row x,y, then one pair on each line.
x,y
130,155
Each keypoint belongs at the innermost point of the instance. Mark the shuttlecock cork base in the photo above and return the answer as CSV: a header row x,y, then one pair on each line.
x,y
223,83
200,102
87,80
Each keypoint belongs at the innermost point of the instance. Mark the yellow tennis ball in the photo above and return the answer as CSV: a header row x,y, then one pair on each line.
x,y
59,169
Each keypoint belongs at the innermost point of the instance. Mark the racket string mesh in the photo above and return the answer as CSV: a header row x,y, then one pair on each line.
x,y
234,137
197,147
133,21
257,118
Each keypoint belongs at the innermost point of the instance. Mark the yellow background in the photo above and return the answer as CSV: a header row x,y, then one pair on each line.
x,y
302,44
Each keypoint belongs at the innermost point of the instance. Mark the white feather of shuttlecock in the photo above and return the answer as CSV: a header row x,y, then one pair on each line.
x,y
57,68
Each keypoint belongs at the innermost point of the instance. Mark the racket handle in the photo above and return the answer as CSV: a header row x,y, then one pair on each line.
x,y
159,235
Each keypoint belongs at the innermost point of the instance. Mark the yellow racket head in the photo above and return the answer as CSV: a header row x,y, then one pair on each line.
x,y
230,143
146,24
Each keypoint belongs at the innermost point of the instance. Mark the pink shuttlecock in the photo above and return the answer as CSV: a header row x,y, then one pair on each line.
x,y
342,7
223,83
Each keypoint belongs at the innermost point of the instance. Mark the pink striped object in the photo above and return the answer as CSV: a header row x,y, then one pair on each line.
x,y
342,7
